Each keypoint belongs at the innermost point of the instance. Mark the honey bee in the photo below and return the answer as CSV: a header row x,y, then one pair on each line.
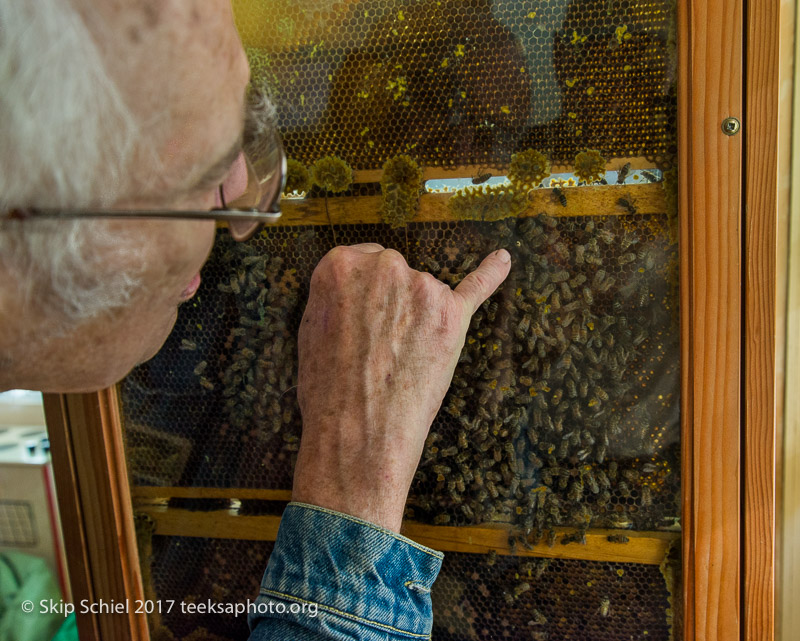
x,y
607,284
521,589
647,496
572,390
627,240
549,221
538,618
627,204
624,259
559,197
605,606
481,177
432,264
592,481
622,174
579,536
617,538
468,261
649,176
606,236
205,383
575,490
441,519
631,475
188,345
200,368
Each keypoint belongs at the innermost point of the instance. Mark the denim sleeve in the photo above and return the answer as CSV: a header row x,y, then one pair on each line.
x,y
334,576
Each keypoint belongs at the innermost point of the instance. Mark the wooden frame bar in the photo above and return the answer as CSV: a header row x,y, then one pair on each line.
x,y
94,501
710,167
643,547
583,201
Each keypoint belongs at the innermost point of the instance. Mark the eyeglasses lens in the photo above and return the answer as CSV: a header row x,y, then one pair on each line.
x,y
266,178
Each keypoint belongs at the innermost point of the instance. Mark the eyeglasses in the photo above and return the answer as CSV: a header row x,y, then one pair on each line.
x,y
258,205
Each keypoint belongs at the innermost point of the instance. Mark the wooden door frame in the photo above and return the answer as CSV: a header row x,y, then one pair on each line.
x,y
96,512
710,89
728,307
769,45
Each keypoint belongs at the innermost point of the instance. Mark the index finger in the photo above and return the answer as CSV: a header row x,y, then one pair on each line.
x,y
480,284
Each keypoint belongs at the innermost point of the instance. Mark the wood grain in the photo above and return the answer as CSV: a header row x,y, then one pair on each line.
x,y
710,166
788,557
581,201
66,474
761,219
643,547
93,479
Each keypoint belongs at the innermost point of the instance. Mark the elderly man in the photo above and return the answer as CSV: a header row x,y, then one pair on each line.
x,y
114,106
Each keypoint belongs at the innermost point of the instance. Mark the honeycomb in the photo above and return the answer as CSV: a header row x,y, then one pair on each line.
x,y
478,597
564,407
196,570
459,83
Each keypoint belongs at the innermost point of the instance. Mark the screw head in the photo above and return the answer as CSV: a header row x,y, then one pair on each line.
x,y
730,126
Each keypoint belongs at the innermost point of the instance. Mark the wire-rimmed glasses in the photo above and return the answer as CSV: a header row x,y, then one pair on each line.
x,y
246,214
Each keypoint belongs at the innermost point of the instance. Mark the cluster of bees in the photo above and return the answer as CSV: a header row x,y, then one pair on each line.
x,y
539,395
528,431
258,367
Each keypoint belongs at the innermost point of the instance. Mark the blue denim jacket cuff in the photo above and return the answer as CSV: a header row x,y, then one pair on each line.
x,y
357,573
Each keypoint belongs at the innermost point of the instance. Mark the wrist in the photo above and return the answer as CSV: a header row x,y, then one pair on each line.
x,y
355,485
370,508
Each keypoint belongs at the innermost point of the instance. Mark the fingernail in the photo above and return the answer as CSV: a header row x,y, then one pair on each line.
x,y
503,255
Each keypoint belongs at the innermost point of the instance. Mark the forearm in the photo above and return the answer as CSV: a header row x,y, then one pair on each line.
x,y
333,576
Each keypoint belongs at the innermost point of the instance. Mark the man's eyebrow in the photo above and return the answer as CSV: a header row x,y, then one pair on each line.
x,y
214,175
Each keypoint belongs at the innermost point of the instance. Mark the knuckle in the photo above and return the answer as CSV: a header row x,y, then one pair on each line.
x,y
392,258
334,266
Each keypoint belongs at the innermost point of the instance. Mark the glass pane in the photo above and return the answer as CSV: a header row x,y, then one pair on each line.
x,y
551,476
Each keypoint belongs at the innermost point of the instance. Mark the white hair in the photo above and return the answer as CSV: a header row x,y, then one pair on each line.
x,y
67,139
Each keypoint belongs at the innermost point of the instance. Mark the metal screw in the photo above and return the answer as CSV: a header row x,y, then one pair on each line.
x,y
730,126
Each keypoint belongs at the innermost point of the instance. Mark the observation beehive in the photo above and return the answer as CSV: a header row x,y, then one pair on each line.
x,y
557,446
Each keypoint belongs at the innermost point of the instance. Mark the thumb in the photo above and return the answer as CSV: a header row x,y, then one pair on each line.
x,y
480,284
